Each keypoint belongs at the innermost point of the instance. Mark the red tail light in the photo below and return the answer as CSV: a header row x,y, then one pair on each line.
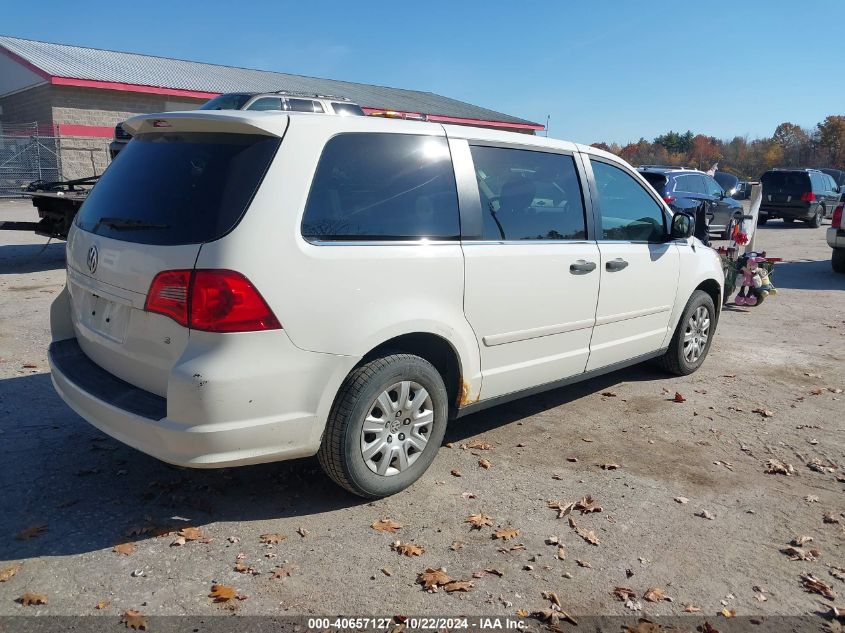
x,y
210,300
808,196
668,199
836,221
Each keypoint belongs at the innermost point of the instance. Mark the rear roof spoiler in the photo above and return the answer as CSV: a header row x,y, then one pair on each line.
x,y
224,121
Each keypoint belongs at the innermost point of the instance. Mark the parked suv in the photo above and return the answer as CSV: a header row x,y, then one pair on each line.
x,y
692,191
285,101
290,284
836,239
798,194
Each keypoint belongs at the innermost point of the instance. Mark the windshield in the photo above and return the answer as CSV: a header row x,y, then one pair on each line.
x,y
232,101
177,188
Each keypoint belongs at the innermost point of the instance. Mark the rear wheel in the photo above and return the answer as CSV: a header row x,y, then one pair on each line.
x,y
385,426
693,336
762,219
816,221
837,260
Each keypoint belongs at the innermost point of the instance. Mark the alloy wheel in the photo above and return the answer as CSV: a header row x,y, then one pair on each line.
x,y
696,334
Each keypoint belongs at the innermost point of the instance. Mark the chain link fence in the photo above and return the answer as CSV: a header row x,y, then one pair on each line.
x,y
27,155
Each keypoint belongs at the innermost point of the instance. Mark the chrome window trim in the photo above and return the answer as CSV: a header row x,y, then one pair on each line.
x,y
419,242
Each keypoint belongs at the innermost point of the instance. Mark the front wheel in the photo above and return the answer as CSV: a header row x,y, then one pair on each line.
x,y
385,426
693,336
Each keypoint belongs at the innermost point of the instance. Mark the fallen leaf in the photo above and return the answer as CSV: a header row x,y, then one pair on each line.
x,y
552,597
814,585
679,398
728,613
829,517
124,548
816,391
468,495
134,619
587,535
801,540
654,594
29,599
221,593
272,539
553,616
102,604
29,366
477,521
191,533
608,394
284,571
456,545
764,412
775,467
495,572
624,593
244,569
484,463
407,549
522,613
552,540
456,473
811,499
479,445
386,525
837,572
821,467
7,572
433,578
179,541
681,500
704,514
563,509
386,571
31,532
796,553
586,505
505,534
608,466
561,553
760,597
302,532
457,585
587,439
583,563
691,608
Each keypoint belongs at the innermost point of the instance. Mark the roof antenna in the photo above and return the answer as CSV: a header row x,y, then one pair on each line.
x,y
548,118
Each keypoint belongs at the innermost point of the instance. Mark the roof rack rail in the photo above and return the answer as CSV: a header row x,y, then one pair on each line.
x,y
393,114
313,95
667,167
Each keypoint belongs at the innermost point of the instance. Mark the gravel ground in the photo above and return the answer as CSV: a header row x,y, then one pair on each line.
x,y
784,357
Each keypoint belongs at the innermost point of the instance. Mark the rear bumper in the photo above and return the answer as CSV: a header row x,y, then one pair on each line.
x,y
798,212
835,238
222,409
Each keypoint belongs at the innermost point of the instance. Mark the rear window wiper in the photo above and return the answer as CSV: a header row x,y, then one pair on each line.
x,y
120,224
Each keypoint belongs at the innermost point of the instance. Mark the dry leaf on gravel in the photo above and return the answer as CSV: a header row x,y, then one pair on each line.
x,y
456,473
608,394
478,521
552,540
506,534
587,505
468,495
679,397
272,539
796,553
587,535
457,585
829,517
821,467
244,569
811,499
775,467
608,466
495,572
691,608
432,578
124,548
29,599
681,500
561,553
624,593
816,391
654,594
766,413
102,604
553,616
302,532
583,563
134,619
407,549
386,525
552,597
456,545
801,540
284,571
484,463
728,613
704,514
222,593
179,541
191,533
7,572
814,585
478,445
563,509
33,531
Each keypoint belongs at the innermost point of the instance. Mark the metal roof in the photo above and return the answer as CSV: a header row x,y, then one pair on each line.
x,y
79,62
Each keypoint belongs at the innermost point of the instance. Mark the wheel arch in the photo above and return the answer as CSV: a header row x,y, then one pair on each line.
x,y
714,290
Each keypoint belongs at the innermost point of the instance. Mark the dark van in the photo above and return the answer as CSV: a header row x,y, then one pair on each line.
x,y
798,194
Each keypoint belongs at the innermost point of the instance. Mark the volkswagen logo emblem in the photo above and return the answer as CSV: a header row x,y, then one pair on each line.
x,y
93,259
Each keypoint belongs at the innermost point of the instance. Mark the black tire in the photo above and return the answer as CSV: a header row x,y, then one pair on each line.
x,y
726,234
788,220
674,361
837,260
762,219
816,221
340,452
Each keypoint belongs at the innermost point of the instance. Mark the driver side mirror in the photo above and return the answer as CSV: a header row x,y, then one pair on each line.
x,y
683,226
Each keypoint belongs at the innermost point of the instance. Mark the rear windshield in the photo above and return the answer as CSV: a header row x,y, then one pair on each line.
x,y
177,188
786,181
658,181
226,102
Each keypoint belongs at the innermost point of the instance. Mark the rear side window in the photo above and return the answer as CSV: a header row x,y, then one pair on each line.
x,y
785,182
347,109
689,184
628,212
266,103
383,187
304,105
528,195
658,181
177,188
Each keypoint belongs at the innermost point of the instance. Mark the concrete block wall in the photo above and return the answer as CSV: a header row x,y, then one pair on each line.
x,y
33,105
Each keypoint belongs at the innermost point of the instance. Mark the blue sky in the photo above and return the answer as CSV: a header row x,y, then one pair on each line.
x,y
613,70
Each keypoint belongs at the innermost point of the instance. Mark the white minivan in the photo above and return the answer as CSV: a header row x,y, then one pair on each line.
x,y
245,287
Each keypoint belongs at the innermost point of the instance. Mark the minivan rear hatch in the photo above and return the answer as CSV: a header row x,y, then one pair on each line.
x,y
175,186
785,187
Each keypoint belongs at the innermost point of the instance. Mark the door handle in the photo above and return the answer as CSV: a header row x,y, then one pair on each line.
x,y
616,264
581,266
